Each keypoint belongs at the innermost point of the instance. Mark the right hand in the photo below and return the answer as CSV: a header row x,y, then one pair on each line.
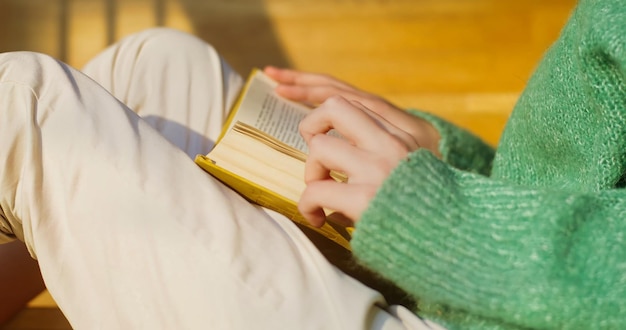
x,y
315,89
368,151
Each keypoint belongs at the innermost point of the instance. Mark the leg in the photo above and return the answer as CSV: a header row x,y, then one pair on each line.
x,y
176,82
129,233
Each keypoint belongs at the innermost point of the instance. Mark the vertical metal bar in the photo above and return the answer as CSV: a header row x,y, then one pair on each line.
x,y
63,30
159,12
111,11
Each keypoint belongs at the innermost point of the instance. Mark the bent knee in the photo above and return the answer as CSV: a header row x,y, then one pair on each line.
x,y
29,68
165,41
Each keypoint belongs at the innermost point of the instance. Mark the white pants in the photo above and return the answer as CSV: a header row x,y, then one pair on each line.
x,y
128,231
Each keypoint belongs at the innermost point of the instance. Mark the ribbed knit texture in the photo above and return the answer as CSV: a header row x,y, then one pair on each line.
x,y
540,240
460,148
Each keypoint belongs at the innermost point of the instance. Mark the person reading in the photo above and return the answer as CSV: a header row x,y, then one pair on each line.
x,y
99,182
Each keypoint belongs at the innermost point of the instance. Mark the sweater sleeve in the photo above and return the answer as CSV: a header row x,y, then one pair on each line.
x,y
541,242
482,253
459,147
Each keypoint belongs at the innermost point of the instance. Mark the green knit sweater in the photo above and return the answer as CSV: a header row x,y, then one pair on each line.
x,y
533,235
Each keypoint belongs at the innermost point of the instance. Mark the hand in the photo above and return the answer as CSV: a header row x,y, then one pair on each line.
x,y
370,149
314,89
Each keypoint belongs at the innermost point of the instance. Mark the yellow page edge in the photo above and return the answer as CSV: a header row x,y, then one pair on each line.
x,y
267,198
238,101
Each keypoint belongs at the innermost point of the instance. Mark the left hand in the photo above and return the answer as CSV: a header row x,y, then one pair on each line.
x,y
314,89
370,149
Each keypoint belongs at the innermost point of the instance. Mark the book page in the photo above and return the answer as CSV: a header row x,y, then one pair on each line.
x,y
264,110
266,176
266,167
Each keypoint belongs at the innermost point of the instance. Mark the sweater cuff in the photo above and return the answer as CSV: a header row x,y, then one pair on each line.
x,y
413,234
459,147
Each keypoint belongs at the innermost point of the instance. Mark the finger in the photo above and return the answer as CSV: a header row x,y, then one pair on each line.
x,y
348,199
349,120
314,94
409,140
328,153
300,78
314,89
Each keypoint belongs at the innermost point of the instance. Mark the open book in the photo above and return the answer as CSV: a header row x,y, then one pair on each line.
x,y
261,155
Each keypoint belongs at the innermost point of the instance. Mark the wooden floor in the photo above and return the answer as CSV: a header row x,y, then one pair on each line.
x,y
466,60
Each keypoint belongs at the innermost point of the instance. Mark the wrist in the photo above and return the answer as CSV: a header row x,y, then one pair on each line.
x,y
426,135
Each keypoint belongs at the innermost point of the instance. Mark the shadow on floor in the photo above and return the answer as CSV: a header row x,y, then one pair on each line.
x,y
240,30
